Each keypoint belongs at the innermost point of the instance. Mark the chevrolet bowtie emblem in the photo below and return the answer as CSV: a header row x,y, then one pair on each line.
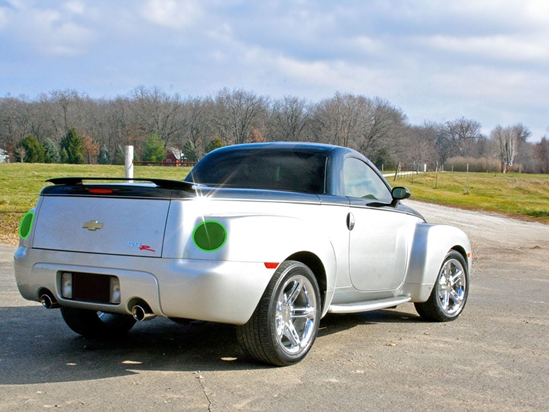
x,y
92,225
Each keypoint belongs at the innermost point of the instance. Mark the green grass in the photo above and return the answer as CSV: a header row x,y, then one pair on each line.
x,y
518,195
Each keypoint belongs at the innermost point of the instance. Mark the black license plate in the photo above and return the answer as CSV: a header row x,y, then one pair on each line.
x,y
90,287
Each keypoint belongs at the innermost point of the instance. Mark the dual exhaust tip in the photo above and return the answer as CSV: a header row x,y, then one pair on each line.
x,y
48,301
140,312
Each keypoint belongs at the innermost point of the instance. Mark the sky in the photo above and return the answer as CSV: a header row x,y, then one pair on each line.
x,y
436,60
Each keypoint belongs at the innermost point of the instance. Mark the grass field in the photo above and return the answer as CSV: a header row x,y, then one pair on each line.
x,y
517,195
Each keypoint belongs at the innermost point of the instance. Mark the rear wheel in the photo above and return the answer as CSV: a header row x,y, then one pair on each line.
x,y
94,324
449,293
284,325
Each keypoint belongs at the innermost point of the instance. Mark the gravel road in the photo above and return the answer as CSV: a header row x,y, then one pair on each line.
x,y
495,357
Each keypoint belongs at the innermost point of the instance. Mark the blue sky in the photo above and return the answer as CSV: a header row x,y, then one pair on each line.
x,y
437,60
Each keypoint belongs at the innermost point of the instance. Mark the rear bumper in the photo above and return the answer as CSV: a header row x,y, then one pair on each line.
x,y
219,291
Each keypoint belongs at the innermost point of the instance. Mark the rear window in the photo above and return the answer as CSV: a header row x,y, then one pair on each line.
x,y
263,169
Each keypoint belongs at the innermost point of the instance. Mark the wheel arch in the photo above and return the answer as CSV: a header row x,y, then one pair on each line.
x,y
314,263
466,255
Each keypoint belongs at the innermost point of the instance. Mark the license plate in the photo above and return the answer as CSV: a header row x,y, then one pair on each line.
x,y
90,287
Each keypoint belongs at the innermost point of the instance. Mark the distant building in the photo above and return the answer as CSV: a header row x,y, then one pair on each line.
x,y
171,158
4,157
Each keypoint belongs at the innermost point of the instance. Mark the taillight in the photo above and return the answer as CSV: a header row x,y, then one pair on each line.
x,y
100,191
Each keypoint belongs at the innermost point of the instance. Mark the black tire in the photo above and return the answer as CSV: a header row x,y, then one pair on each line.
x,y
94,324
284,325
450,291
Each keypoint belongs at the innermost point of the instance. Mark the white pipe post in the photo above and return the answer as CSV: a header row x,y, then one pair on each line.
x,y
128,161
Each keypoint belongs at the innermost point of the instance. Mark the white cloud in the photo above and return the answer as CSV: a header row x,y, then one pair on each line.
x,y
75,6
52,34
499,47
48,31
3,18
339,75
171,13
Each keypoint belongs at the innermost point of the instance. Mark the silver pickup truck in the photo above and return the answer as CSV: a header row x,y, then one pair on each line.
x,y
269,237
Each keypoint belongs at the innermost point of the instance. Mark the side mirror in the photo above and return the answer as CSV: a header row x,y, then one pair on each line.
x,y
398,194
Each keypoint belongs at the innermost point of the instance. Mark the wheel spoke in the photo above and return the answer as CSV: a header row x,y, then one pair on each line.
x,y
455,297
291,333
294,293
445,300
306,313
456,277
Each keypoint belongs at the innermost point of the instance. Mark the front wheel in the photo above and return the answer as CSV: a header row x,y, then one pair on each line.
x,y
94,324
284,325
449,293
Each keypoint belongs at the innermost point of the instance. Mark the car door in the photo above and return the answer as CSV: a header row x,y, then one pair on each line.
x,y
378,232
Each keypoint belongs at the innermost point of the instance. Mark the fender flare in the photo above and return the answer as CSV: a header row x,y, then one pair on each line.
x,y
431,244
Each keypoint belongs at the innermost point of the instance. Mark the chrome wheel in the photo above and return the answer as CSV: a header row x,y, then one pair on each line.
x,y
296,314
452,284
450,291
284,325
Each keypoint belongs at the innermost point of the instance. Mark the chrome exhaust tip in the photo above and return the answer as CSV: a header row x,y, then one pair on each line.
x,y
48,301
142,313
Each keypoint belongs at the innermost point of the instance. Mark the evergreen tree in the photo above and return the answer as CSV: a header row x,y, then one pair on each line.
x,y
153,149
63,156
190,152
52,154
119,157
104,158
215,143
33,150
73,146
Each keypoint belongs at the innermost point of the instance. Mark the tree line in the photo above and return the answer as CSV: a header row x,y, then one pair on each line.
x,y
71,127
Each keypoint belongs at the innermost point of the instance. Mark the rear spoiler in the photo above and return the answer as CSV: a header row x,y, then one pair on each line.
x,y
162,183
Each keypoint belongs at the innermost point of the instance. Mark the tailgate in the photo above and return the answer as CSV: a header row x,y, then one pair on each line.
x,y
117,226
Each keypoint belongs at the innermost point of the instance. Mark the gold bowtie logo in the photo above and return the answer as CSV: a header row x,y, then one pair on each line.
x,y
92,225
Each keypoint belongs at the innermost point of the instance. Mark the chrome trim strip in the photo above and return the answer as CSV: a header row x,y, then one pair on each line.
x,y
367,306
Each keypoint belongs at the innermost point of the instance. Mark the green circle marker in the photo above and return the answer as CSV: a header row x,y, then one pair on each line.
x,y
25,226
209,236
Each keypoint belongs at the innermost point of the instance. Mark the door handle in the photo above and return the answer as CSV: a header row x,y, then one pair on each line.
x,y
350,221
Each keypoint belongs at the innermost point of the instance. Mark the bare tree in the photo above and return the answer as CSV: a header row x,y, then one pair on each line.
x,y
288,119
507,141
419,144
198,115
384,129
237,114
542,155
14,122
460,137
155,112
371,126
340,120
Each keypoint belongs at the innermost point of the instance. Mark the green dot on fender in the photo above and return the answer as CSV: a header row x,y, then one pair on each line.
x,y
25,226
209,235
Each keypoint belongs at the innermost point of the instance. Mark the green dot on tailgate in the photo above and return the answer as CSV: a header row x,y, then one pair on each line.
x,y
209,235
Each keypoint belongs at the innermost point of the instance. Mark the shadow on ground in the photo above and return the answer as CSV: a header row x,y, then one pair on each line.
x,y
37,347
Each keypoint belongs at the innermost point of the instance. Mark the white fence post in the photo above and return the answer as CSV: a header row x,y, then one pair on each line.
x,y
128,161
